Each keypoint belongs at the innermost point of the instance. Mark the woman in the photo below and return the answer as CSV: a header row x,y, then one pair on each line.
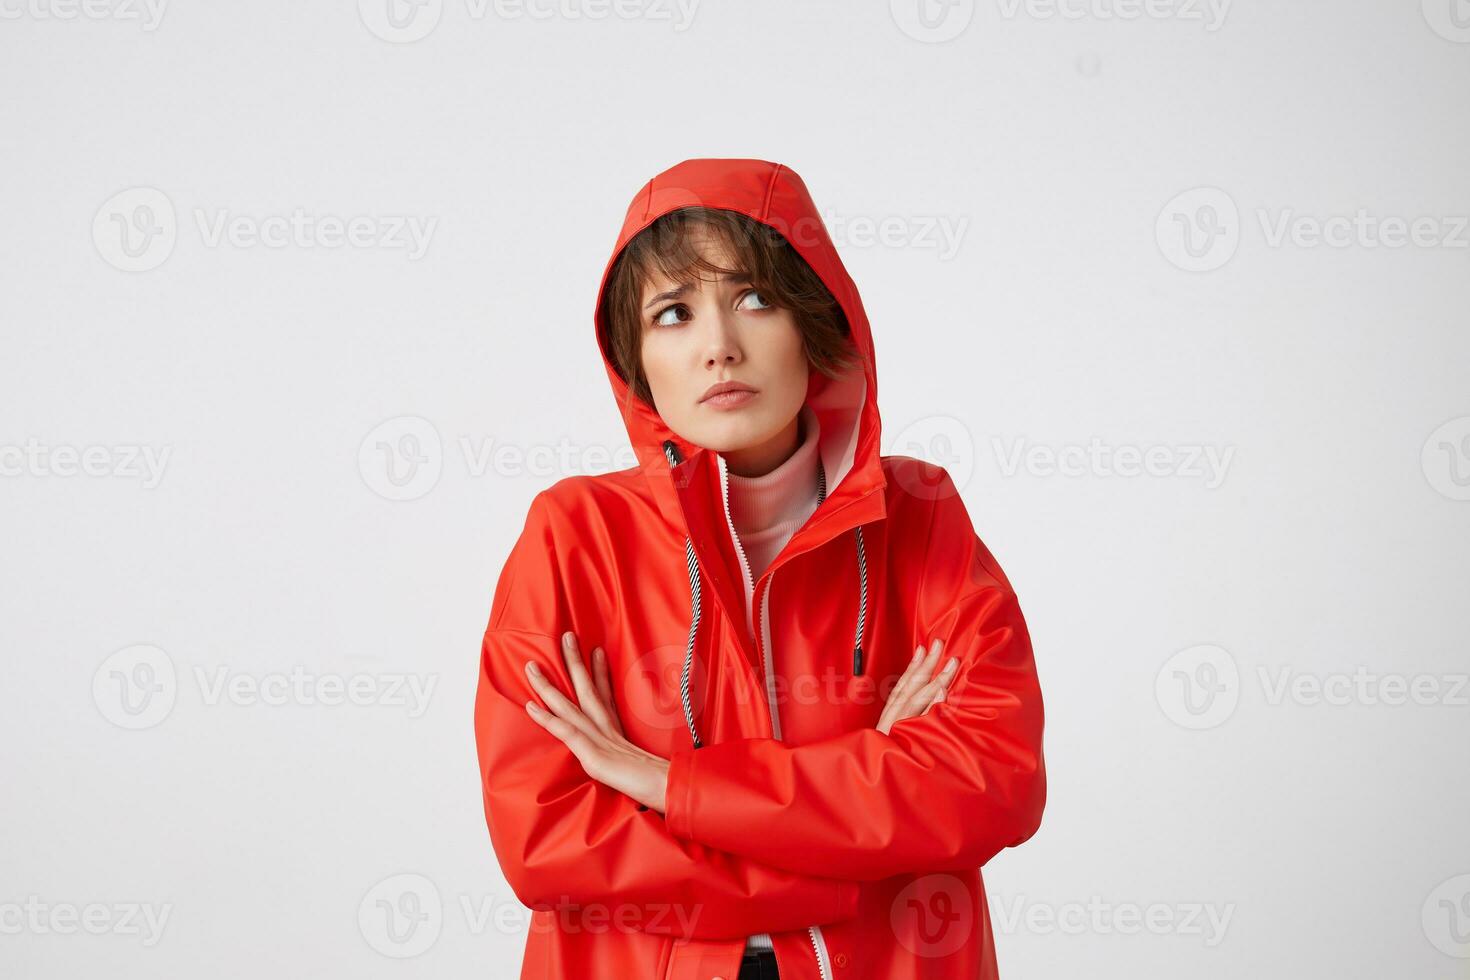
x,y
759,774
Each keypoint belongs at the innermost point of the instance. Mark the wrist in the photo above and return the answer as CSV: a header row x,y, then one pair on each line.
x,y
658,797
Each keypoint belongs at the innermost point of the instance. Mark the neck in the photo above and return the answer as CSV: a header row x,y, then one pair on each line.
x,y
767,510
761,459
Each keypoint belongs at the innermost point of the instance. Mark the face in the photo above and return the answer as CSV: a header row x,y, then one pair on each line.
x,y
709,332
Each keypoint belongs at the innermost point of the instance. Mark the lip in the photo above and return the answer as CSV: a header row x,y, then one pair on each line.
x,y
727,394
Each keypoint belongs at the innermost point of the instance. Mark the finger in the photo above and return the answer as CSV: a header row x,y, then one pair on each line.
x,y
918,702
893,708
556,726
936,651
917,674
556,702
604,685
587,695
603,679
924,672
908,674
575,740
934,692
952,671
910,679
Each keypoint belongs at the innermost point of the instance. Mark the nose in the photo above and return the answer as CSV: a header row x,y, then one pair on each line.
x,y
722,345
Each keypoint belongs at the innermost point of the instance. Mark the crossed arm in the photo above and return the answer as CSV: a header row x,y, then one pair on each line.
x,y
577,845
589,726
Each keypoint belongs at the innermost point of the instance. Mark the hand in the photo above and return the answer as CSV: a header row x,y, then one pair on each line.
x,y
915,692
590,728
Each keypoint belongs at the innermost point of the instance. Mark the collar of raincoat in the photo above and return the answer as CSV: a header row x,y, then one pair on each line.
x,y
846,407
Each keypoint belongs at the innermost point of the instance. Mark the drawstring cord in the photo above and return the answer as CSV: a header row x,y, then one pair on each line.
x,y
693,564
671,451
862,557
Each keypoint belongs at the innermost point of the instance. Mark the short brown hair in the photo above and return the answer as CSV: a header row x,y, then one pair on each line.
x,y
759,251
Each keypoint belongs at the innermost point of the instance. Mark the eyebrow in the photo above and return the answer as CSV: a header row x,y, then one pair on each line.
x,y
676,293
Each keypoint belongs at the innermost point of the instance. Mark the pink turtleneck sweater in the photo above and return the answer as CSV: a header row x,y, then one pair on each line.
x,y
766,511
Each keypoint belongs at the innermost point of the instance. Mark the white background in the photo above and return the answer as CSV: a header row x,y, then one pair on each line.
x,y
1272,832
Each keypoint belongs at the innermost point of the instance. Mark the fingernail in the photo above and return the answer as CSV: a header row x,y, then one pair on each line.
x,y
953,663
532,669
566,639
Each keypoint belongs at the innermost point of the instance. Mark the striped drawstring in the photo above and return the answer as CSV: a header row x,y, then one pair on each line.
x,y
692,563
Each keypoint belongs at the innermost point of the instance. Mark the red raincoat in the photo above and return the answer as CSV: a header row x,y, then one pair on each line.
x,y
858,851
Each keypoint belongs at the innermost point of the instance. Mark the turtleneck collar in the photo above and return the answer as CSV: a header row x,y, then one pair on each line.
x,y
784,498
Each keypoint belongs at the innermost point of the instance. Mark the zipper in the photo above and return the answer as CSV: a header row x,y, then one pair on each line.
x,y
739,548
819,944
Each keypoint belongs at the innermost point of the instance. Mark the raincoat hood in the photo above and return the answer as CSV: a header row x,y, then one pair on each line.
x,y
846,407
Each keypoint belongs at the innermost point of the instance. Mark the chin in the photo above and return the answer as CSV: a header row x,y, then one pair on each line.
x,y
731,433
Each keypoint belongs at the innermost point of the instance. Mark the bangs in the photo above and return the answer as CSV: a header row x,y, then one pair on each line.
x,y
673,248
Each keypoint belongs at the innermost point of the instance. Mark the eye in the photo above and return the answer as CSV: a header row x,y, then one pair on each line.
x,y
671,316
760,302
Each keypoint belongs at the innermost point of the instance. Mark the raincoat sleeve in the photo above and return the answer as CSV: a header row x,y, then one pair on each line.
x,y
945,790
569,843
